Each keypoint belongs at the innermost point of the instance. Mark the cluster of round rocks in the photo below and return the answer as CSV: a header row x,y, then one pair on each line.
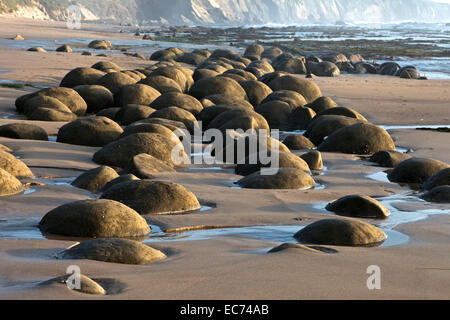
x,y
131,116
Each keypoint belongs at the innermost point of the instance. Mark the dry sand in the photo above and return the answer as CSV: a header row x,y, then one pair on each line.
x,y
228,267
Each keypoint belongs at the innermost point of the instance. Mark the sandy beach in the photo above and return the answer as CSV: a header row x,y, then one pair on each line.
x,y
230,263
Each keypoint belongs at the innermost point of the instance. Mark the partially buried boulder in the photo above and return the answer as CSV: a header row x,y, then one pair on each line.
x,y
64,48
95,179
97,218
145,166
341,233
294,99
67,96
162,84
14,166
323,126
389,158
275,112
324,69
358,206
256,91
122,178
96,97
308,89
81,76
137,94
440,178
218,85
284,178
440,194
114,81
416,170
177,114
23,131
298,142
87,285
313,159
9,184
150,128
177,99
132,113
48,114
321,104
285,160
114,250
90,131
362,138
100,45
343,111
120,152
153,197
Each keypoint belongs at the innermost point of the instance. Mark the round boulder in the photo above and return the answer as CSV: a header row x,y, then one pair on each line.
x,y
14,166
180,100
9,184
440,178
145,166
114,250
308,89
137,94
313,159
298,142
389,158
81,76
284,178
358,206
153,197
218,85
23,131
440,194
132,113
95,179
321,104
162,84
341,233
416,170
90,131
361,138
120,152
99,218
96,97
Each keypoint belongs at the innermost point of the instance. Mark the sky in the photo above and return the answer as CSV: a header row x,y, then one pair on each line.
x,y
444,1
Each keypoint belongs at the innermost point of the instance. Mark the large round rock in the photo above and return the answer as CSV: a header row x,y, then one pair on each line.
x,y
153,197
218,85
95,179
23,131
14,166
9,184
96,97
99,218
439,194
341,233
358,206
362,138
114,250
284,178
91,131
176,99
389,158
119,153
137,94
440,178
308,89
81,76
416,170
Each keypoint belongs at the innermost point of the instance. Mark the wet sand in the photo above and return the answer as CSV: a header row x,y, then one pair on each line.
x,y
229,266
